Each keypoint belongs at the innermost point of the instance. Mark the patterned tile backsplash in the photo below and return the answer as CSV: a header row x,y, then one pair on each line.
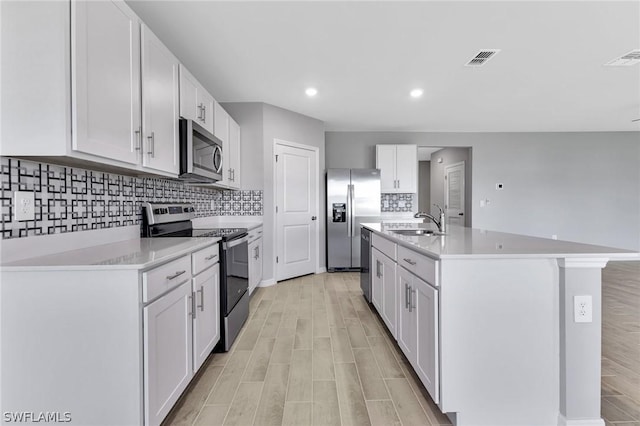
x,y
396,203
69,199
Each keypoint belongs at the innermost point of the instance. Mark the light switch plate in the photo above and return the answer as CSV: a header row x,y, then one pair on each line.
x,y
23,205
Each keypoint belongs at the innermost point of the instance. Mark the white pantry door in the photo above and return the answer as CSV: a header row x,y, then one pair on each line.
x,y
454,193
296,211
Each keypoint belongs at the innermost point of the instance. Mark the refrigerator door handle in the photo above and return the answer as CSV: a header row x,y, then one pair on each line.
x,y
349,207
352,195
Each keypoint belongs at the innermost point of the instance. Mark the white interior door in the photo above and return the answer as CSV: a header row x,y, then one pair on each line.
x,y
454,193
296,211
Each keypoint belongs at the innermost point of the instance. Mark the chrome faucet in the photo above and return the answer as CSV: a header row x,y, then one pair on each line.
x,y
439,223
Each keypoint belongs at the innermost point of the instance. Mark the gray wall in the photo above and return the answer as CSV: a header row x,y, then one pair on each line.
x,y
260,125
582,187
451,156
424,186
292,127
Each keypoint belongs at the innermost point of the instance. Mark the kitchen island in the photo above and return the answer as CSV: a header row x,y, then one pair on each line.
x,y
502,329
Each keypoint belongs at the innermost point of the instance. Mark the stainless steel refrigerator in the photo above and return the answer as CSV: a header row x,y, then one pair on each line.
x,y
353,197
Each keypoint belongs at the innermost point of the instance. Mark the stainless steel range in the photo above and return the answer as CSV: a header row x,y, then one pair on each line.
x,y
174,220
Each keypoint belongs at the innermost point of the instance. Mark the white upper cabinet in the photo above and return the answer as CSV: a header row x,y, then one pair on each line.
x,y
234,153
228,131
106,81
398,166
195,102
160,105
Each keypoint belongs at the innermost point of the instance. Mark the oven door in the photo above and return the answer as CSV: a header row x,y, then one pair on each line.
x,y
200,153
237,271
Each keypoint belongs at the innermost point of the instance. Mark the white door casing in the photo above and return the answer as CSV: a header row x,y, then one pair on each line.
x,y
454,193
297,209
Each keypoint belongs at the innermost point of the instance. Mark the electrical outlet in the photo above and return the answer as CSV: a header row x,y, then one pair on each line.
x,y
23,206
582,308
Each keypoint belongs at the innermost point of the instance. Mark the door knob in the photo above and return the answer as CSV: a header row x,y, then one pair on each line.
x,y
313,217
460,214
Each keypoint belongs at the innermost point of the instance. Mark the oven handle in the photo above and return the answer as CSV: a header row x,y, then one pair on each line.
x,y
236,242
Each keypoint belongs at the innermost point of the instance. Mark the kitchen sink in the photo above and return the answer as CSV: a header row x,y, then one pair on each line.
x,y
427,232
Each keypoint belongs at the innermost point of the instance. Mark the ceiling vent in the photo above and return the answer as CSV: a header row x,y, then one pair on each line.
x,y
626,60
482,57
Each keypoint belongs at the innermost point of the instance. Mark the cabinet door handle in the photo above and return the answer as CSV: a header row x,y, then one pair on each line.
x,y
213,256
176,275
398,183
204,113
409,300
152,143
138,140
409,261
201,291
230,174
192,306
406,296
258,252
413,302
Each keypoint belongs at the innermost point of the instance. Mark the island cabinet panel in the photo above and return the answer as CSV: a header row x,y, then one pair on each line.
x,y
499,326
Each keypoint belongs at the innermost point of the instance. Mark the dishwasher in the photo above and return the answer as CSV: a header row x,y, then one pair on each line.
x,y
365,263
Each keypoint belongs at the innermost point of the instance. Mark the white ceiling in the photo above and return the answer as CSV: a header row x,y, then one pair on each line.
x,y
365,57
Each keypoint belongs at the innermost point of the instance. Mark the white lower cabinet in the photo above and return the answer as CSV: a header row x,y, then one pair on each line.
x,y
406,297
384,289
181,327
425,298
206,321
255,258
418,328
168,362
407,326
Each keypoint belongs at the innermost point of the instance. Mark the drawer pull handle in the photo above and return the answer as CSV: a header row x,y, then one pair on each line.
x,y
210,257
176,275
409,261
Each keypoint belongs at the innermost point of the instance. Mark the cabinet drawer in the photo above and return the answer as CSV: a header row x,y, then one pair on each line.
x,y
256,233
385,246
204,258
422,266
165,277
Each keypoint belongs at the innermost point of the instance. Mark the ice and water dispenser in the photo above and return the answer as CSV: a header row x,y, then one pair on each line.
x,y
339,212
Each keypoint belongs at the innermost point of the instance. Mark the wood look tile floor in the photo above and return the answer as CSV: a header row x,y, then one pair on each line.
x,y
621,344
314,353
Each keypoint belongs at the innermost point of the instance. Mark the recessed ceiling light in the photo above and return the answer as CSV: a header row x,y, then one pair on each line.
x,y
416,93
311,92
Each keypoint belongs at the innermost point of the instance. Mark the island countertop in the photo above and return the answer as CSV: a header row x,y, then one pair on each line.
x,y
461,242
138,253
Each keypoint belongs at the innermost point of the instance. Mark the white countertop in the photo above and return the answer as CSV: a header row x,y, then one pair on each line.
x,y
138,253
249,222
461,242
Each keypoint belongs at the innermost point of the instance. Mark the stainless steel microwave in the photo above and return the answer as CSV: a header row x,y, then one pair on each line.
x,y
200,153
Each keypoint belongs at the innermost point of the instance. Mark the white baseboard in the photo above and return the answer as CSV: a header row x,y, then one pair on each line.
x,y
321,270
562,421
267,283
